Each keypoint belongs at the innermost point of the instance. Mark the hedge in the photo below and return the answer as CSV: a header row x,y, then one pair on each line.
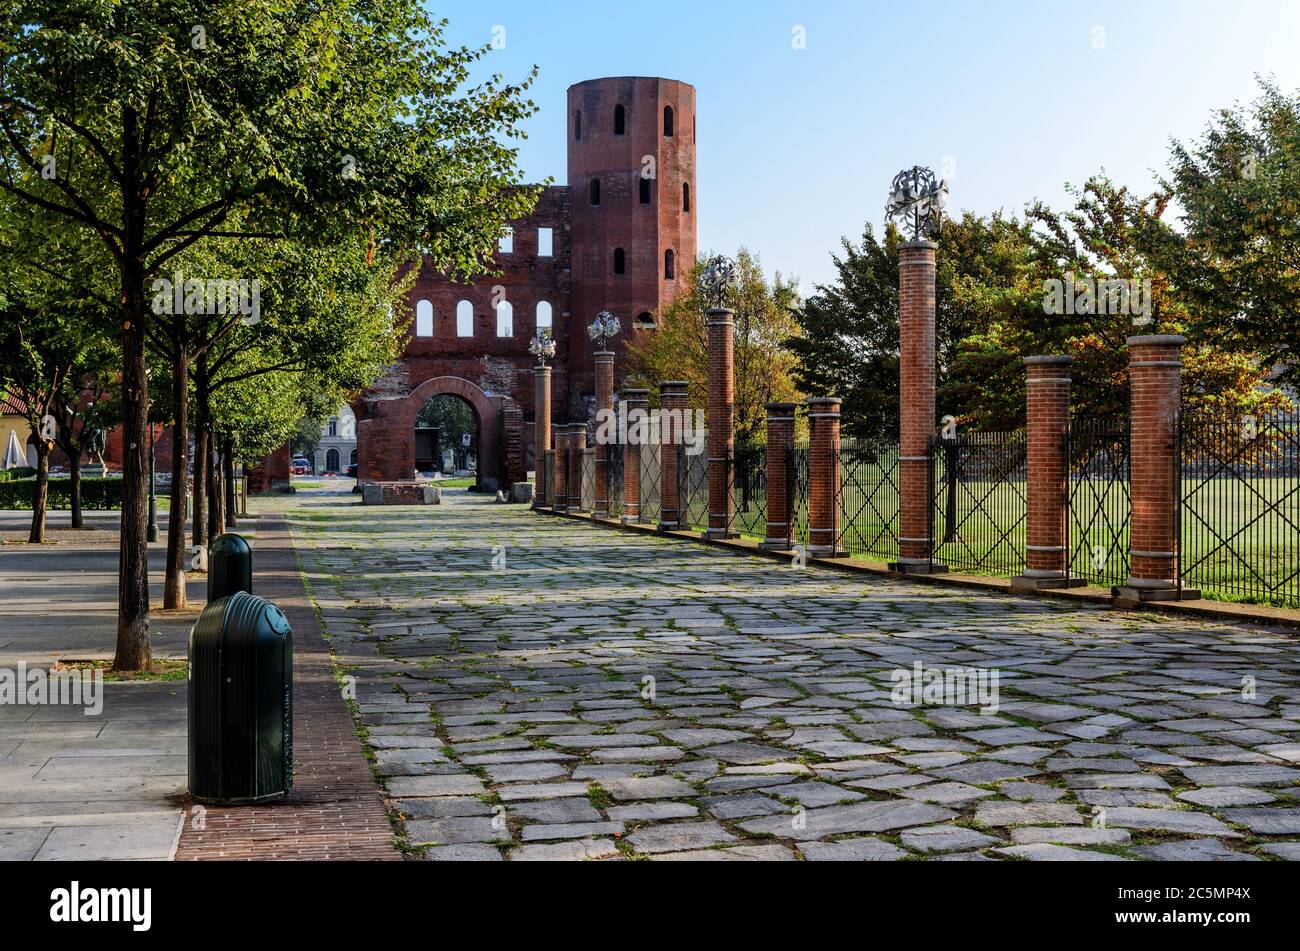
x,y
96,494
18,472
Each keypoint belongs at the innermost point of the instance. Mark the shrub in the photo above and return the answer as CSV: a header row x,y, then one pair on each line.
x,y
96,494
17,472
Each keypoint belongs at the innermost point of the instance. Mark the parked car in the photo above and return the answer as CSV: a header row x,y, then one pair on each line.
x,y
300,466
352,471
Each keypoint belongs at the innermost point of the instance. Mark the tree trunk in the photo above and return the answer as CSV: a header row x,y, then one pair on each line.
x,y
40,499
216,494
228,461
202,457
174,587
74,474
133,648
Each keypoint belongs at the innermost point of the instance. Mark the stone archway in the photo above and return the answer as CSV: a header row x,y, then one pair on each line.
x,y
386,431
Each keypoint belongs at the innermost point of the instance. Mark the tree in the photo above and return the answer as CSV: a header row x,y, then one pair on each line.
x,y
848,346
679,348
136,129
1236,258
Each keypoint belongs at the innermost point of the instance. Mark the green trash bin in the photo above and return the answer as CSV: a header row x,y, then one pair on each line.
x,y
230,566
241,702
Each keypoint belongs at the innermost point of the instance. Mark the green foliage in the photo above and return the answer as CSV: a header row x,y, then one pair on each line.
x,y
96,494
1236,257
453,416
17,472
679,348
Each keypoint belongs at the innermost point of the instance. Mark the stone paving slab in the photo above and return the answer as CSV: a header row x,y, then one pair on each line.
x,y
608,695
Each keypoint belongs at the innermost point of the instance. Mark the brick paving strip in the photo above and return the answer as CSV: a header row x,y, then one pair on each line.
x,y
334,810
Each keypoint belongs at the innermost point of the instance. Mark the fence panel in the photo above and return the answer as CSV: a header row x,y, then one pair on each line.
x,y
978,502
693,486
588,491
650,475
549,463
868,499
798,475
1097,454
1239,507
614,479
748,468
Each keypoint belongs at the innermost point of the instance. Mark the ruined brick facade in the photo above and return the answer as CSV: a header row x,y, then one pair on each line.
x,y
621,238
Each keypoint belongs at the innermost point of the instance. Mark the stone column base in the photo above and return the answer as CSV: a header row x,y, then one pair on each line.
x,y
1031,582
1136,590
719,533
826,551
776,544
669,526
917,566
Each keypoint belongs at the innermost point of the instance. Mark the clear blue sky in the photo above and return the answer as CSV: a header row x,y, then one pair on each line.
x,y
797,146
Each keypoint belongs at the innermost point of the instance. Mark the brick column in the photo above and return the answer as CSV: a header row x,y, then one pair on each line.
x,y
722,423
541,429
780,480
603,360
916,404
1047,477
823,476
561,503
635,401
573,478
673,399
1155,367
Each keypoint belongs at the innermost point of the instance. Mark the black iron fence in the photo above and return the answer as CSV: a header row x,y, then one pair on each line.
x,y
1239,506
649,471
797,473
693,488
747,469
868,499
1098,501
587,494
977,515
549,481
614,456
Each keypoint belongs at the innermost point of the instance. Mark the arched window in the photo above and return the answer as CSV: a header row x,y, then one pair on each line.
x,y
686,196
577,126
645,320
505,319
424,319
332,461
668,265
464,319
352,458
668,122
543,316
595,191
620,261
645,190
620,120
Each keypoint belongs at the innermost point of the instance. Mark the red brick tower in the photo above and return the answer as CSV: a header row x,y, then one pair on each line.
x,y
632,187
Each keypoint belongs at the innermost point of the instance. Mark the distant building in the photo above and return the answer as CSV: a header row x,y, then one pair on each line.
x,y
338,443
13,419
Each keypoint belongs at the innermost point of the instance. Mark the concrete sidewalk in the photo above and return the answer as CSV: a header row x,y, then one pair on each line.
x,y
72,785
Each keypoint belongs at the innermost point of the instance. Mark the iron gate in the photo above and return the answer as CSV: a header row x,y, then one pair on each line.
x,y
977,511
867,499
1098,500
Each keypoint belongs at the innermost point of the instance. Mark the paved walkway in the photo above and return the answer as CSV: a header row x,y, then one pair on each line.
x,y
73,786
597,694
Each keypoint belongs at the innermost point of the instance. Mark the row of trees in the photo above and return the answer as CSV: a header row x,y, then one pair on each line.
x,y
1225,271
317,150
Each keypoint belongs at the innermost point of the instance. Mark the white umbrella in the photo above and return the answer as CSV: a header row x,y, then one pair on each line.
x,y
15,455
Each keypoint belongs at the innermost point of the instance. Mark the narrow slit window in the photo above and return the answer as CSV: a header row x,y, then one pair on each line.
x,y
620,261
595,191
645,190
577,126
620,120
669,269
668,122
686,196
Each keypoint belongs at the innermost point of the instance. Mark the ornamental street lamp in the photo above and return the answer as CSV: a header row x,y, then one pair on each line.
x,y
719,279
542,347
917,201
605,325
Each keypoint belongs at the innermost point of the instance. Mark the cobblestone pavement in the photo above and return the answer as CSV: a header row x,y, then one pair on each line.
x,y
597,694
